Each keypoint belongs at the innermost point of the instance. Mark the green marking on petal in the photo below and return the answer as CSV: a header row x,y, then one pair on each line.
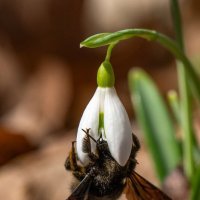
x,y
105,75
101,123
101,120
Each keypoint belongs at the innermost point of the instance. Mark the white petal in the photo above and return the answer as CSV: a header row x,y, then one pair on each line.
x,y
89,119
117,127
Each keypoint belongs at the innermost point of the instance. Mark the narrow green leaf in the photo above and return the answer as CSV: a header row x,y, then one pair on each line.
x,y
155,123
177,22
195,189
188,139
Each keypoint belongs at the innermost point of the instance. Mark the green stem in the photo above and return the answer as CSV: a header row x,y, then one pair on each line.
x,y
186,110
186,122
109,51
174,104
176,16
104,39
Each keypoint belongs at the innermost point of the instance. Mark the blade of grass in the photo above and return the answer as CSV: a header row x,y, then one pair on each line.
x,y
185,97
186,123
177,22
155,122
195,189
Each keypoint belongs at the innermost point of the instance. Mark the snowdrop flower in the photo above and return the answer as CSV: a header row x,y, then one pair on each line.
x,y
106,115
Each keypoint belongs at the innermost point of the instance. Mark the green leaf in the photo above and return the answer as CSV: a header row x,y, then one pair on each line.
x,y
155,122
195,189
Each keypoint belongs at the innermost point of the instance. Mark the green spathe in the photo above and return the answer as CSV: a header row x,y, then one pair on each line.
x,y
105,75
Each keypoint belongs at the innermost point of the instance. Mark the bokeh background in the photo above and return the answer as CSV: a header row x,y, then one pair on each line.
x,y
46,81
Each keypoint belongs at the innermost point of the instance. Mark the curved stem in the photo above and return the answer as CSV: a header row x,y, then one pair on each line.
x,y
109,51
104,39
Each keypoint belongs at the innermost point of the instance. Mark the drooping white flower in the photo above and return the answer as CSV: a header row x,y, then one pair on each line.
x,y
106,116
117,128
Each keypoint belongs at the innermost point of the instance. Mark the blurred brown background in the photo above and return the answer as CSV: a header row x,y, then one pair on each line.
x,y
46,80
